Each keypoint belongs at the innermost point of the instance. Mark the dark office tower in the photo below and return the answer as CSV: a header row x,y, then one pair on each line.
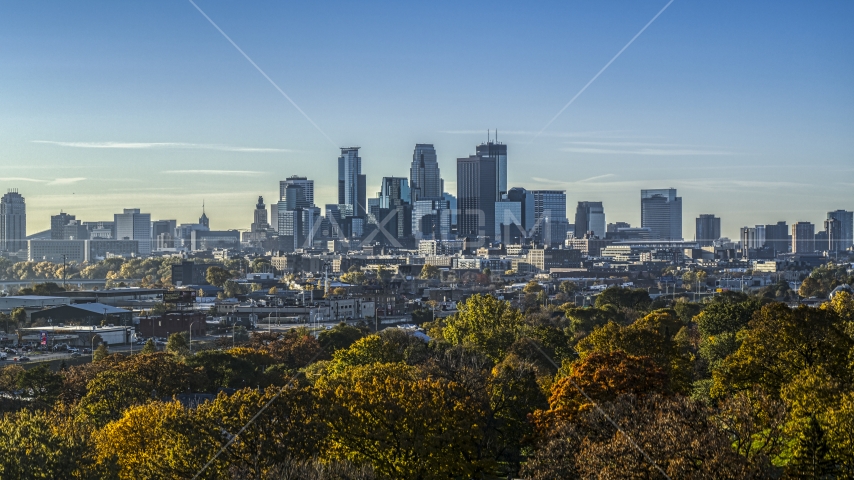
x,y
424,179
498,152
708,229
777,237
351,182
803,237
661,212
394,207
477,192
846,228
590,217
833,232
13,222
550,224
515,216
57,224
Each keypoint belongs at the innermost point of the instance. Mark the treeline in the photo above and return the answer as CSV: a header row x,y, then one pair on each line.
x,y
741,387
150,271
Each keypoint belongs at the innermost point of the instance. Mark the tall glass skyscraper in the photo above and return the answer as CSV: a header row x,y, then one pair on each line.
x,y
477,193
351,182
13,222
550,224
661,212
425,182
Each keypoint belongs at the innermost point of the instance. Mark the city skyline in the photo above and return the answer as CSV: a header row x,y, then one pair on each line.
x,y
97,118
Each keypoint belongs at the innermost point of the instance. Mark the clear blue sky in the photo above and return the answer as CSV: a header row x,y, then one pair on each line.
x,y
746,107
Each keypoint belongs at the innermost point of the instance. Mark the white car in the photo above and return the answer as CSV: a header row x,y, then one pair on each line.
x,y
73,350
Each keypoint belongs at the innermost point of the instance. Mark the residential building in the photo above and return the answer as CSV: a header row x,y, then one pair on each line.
x,y
777,237
834,232
13,222
846,228
661,212
803,237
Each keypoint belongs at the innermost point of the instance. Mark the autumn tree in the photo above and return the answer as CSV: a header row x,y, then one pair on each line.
x,y
385,414
100,353
149,347
338,337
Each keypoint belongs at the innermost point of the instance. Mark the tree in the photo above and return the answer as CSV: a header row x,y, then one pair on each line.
x,y
602,377
567,287
47,444
149,347
385,414
485,324
429,272
273,291
678,435
217,276
636,299
232,289
40,383
100,353
339,337
532,287
161,440
178,344
779,344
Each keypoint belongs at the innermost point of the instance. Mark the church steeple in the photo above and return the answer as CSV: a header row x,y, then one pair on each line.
x,y
203,220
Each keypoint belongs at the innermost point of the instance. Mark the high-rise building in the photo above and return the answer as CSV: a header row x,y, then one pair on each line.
x,y
550,223
424,178
590,217
13,222
259,217
661,212
133,225
394,207
803,237
498,152
777,237
846,228
515,216
57,224
477,192
351,182
708,229
297,181
833,232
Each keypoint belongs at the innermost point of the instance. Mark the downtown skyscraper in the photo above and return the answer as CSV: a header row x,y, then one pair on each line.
x,y
661,212
425,181
352,195
13,222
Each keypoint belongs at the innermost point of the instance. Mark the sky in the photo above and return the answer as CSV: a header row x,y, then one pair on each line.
x,y
746,108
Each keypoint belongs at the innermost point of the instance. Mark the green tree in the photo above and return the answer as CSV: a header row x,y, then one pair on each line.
x,y
532,287
100,353
178,344
485,324
429,272
41,383
338,337
636,299
149,347
217,276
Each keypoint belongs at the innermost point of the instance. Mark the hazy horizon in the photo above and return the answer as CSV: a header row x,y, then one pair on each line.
x,y
746,110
